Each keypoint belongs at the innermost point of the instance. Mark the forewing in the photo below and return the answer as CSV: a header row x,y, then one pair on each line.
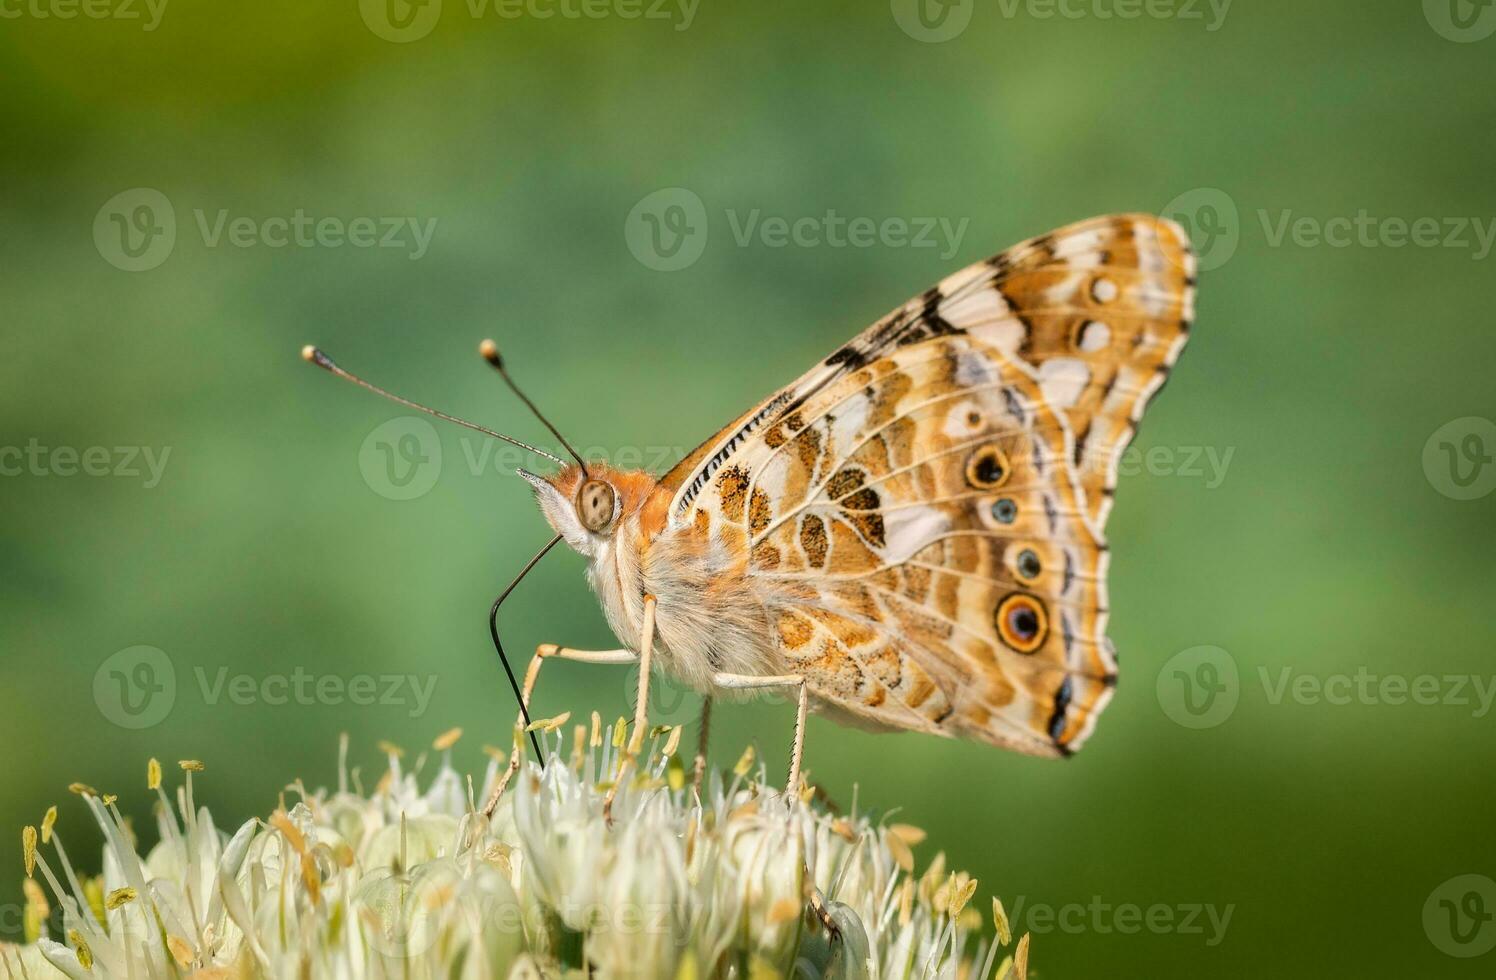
x,y
1100,309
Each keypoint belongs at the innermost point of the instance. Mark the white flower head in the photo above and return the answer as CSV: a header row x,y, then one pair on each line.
x,y
732,879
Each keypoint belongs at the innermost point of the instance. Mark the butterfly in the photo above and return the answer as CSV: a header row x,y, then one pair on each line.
x,y
910,535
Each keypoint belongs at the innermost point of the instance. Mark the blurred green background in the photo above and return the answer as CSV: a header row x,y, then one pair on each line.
x,y
1325,542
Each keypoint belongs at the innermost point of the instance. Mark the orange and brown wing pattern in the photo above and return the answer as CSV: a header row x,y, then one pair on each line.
x,y
1101,309
918,537
922,511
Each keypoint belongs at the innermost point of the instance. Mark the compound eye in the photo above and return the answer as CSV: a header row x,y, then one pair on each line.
x,y
595,505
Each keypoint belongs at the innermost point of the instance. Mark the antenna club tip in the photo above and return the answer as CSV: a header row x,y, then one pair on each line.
x,y
312,354
490,352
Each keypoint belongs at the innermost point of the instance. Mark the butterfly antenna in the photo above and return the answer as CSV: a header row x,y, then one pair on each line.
x,y
490,352
493,631
315,356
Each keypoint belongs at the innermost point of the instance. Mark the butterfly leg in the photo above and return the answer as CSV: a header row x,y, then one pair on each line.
x,y
641,707
698,772
748,682
545,652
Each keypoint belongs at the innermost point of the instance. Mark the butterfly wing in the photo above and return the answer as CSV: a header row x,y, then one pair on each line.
x,y
917,535
914,512
1101,309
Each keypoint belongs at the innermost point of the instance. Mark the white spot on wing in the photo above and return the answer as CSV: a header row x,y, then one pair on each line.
x,y
910,529
1073,246
1005,335
1065,289
1094,336
958,424
1062,379
982,306
848,425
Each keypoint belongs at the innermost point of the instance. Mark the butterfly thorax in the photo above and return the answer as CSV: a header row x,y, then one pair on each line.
x,y
710,617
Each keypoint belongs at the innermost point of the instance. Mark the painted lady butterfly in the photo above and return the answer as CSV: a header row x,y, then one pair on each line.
x,y
910,535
